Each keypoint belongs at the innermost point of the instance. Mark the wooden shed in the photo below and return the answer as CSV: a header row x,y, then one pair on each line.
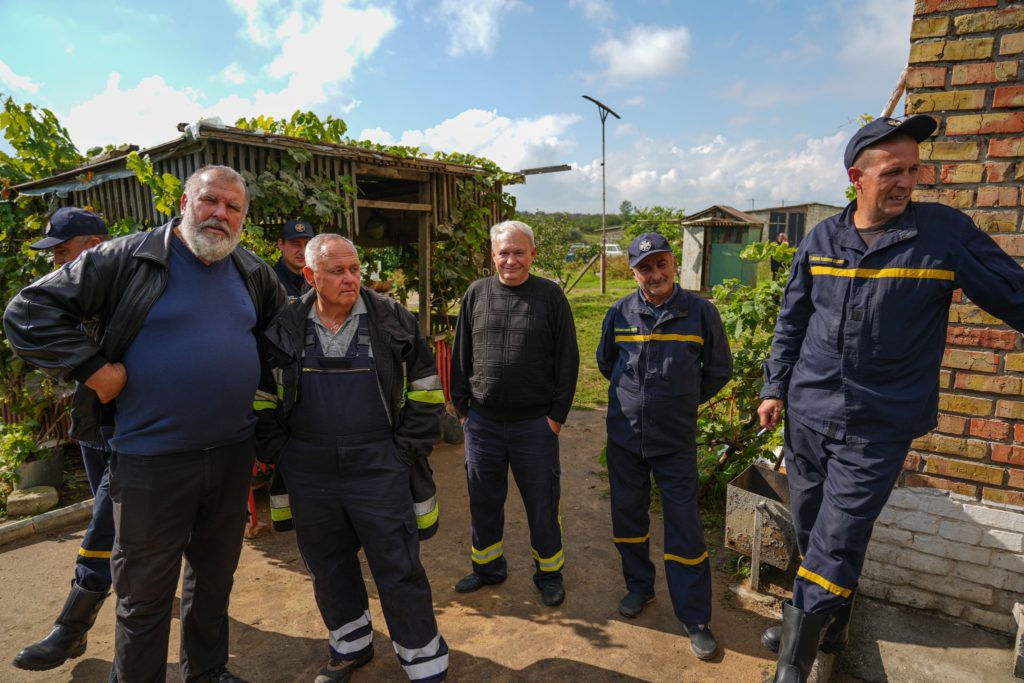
x,y
712,242
399,200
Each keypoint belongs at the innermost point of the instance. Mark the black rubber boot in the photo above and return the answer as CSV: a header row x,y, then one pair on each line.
x,y
836,635
800,634
67,639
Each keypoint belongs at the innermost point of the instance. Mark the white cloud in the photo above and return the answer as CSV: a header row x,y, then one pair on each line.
x,y
594,10
255,12
15,81
717,171
472,25
648,52
234,74
877,34
146,114
636,101
69,48
511,143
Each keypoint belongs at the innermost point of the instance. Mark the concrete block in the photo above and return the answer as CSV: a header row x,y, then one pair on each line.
x,y
874,589
924,564
963,590
912,597
997,621
968,534
882,553
1011,562
952,608
938,505
919,522
904,498
966,553
990,576
888,516
992,517
930,545
32,501
1003,540
888,573
893,535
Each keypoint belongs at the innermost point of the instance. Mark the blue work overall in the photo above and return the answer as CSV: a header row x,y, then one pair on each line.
x,y
349,489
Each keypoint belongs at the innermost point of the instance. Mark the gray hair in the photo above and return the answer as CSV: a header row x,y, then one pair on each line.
x,y
221,172
316,247
506,228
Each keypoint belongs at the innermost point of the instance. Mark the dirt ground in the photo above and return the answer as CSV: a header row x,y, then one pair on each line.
x,y
499,634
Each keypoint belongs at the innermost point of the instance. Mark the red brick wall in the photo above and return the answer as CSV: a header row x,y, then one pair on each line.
x,y
966,70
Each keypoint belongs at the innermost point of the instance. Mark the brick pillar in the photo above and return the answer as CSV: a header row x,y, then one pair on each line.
x,y
952,537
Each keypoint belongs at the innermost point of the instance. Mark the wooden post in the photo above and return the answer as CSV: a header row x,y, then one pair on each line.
x,y
423,222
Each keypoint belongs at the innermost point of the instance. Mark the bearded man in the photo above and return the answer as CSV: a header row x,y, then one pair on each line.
x,y
179,312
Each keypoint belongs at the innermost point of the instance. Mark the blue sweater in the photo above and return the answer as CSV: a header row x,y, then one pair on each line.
x,y
193,368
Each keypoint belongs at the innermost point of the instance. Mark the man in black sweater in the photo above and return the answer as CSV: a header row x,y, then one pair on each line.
x,y
514,368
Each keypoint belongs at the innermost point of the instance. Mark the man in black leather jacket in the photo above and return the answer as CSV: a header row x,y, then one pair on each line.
x,y
179,312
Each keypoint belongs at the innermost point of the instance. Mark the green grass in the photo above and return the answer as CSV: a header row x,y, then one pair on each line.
x,y
588,308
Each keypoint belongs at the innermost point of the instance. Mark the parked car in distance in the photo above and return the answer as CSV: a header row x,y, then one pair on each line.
x,y
613,250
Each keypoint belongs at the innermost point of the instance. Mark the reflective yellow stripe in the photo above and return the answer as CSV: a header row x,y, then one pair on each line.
x,y
488,554
433,396
427,520
280,514
827,259
549,564
634,539
263,405
823,582
659,336
875,273
101,554
687,560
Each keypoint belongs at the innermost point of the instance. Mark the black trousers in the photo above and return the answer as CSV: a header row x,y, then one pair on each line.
x,y
190,504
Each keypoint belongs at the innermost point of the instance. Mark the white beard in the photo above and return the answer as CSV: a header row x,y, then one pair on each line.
x,y
208,246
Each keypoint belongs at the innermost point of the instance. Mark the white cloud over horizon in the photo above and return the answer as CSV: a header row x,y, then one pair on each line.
x,y
647,52
9,79
594,10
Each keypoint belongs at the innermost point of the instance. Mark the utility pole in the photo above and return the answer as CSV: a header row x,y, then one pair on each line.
x,y
603,110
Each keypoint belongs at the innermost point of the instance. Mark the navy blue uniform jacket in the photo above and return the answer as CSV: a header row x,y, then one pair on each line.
x,y
861,331
661,369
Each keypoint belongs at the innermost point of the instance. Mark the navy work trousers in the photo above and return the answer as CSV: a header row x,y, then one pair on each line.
x,y
687,569
92,567
190,504
530,448
837,490
347,495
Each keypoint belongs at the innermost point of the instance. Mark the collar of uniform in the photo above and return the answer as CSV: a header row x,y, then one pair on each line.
x,y
846,233
358,308
674,303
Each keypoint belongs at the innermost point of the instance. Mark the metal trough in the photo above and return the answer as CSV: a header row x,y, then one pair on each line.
x,y
758,522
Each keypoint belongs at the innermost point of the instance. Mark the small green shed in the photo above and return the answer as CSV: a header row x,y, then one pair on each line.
x,y
712,242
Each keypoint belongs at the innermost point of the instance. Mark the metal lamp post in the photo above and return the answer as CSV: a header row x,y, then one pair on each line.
x,y
603,110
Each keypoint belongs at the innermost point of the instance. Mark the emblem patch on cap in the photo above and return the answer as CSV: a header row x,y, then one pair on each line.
x,y
299,227
645,245
893,122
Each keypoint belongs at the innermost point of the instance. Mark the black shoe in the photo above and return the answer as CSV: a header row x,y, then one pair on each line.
x,y
799,646
67,639
474,582
222,675
702,641
771,637
633,604
340,672
552,593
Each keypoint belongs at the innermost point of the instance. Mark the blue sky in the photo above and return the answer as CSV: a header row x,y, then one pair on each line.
x,y
721,102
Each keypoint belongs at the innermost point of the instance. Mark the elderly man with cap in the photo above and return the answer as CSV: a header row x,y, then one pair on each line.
x,y
855,363
295,235
70,232
665,352
356,406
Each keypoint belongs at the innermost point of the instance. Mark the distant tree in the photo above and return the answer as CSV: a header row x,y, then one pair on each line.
x,y
555,236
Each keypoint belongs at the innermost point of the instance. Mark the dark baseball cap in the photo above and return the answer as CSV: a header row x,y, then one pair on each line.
x,y
646,244
297,228
68,222
919,127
